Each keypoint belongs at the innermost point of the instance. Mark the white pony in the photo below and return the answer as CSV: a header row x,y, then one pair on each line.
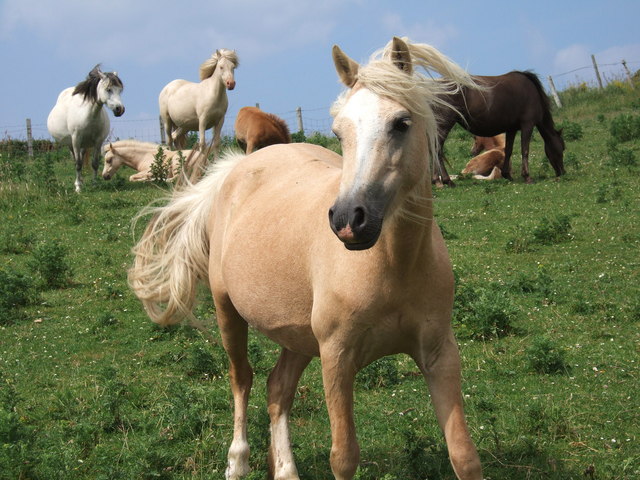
x,y
186,106
79,121
141,155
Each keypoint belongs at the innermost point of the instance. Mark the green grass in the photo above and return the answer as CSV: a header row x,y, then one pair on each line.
x,y
547,316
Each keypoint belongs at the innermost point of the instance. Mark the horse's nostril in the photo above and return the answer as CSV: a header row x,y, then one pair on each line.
x,y
359,218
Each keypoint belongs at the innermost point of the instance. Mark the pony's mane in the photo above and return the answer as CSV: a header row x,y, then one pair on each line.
x,y
209,66
282,125
417,92
88,88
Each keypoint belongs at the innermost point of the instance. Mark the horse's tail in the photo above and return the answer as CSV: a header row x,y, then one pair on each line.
x,y
172,256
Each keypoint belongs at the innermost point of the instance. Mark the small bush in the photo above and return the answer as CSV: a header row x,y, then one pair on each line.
x,y
544,356
50,263
381,373
622,157
625,127
552,230
160,167
483,312
571,130
16,291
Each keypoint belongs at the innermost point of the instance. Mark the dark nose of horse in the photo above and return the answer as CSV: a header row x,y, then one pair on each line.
x,y
118,111
353,226
231,84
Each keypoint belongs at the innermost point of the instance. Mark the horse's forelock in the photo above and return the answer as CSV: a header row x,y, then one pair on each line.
x,y
209,65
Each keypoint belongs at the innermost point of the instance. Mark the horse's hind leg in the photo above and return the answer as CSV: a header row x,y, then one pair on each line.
x,y
282,387
95,162
442,373
234,331
525,140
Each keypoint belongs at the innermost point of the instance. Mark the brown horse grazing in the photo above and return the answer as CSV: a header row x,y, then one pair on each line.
x,y
256,129
484,162
333,257
510,102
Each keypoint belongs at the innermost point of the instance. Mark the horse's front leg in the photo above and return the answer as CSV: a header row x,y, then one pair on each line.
x,y
338,375
442,373
282,387
525,139
217,129
95,162
508,150
78,157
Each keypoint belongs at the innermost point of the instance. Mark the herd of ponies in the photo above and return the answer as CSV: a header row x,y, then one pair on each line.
x,y
337,257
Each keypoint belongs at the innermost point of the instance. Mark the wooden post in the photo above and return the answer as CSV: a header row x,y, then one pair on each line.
x,y
163,139
554,93
299,115
626,69
595,67
257,105
29,139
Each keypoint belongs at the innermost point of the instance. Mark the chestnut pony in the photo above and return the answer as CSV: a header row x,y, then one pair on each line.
x,y
256,129
334,257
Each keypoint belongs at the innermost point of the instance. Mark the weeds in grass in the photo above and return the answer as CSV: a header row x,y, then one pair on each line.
x,y
160,167
625,127
549,231
571,131
50,263
381,373
16,291
544,356
483,312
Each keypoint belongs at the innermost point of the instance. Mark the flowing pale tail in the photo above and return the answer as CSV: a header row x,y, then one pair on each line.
x,y
172,257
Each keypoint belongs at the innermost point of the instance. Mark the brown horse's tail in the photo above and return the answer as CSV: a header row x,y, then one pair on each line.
x,y
172,256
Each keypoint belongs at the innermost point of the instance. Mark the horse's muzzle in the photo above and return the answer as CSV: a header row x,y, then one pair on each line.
x,y
231,84
118,111
355,225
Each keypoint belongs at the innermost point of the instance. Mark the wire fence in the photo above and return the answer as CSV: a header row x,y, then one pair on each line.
x,y
310,120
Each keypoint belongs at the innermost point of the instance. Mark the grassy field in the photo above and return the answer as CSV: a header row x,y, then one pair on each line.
x,y
547,314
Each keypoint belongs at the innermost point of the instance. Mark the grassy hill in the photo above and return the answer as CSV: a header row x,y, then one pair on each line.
x,y
547,314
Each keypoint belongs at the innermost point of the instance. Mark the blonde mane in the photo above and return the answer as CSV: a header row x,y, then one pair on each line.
x,y
419,93
209,66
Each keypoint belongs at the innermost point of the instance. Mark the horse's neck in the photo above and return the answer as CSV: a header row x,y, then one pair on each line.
x,y
214,84
134,155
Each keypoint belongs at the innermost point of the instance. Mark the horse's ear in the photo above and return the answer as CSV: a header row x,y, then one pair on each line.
x,y
347,69
400,55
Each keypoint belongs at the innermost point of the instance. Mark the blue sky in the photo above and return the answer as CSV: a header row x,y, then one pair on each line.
x,y
285,48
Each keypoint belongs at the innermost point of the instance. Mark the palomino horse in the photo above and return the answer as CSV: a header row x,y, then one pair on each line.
x,y
186,106
508,103
79,121
256,227
256,129
140,156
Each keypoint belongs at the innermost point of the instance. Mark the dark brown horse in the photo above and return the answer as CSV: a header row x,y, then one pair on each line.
x,y
256,129
511,102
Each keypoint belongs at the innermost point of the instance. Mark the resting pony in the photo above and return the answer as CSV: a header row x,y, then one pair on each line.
x,y
507,103
329,256
186,106
140,156
256,129
79,121
489,154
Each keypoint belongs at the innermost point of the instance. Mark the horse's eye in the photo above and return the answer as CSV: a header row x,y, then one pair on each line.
x,y
401,124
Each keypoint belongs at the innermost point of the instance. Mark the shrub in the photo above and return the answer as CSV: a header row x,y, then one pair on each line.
x,y
381,373
16,291
552,230
483,312
571,130
544,356
160,167
50,263
622,157
625,127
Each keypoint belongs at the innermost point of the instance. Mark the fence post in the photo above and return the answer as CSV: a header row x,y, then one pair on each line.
x,y
257,105
626,69
554,92
595,67
163,140
29,139
299,115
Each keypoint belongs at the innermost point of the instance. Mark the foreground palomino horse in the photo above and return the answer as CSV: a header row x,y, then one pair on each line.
x,y
79,121
333,257
141,155
186,106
